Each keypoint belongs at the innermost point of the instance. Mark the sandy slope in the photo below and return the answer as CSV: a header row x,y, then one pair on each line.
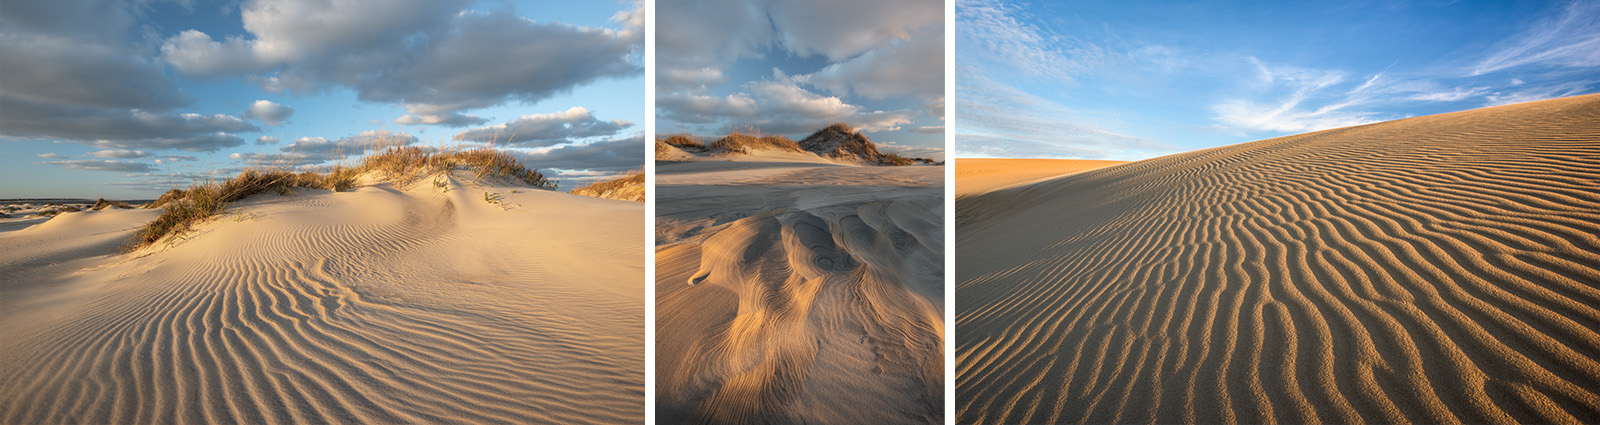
x,y
377,306
976,176
792,289
1439,269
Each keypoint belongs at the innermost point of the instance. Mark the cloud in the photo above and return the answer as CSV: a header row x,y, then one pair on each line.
x,y
51,155
696,35
842,29
80,72
104,165
119,153
578,164
433,57
448,120
552,129
1000,121
168,159
779,105
701,77
312,151
1541,92
995,32
912,68
1569,38
76,73
267,140
1454,94
113,128
881,51
272,114
929,129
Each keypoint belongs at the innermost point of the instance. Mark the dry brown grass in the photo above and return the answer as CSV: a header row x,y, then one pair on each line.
x,y
738,142
685,142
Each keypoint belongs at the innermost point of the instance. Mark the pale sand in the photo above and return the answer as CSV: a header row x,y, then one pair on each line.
x,y
976,176
371,306
793,289
1439,269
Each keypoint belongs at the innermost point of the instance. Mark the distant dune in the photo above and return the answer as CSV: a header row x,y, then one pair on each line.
x,y
627,187
1439,269
976,176
837,143
445,301
792,288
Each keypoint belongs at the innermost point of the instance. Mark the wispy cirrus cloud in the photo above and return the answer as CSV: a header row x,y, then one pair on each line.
x,y
1570,39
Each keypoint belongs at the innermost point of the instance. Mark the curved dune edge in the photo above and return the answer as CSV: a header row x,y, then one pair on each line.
x,y
476,305
1439,269
799,293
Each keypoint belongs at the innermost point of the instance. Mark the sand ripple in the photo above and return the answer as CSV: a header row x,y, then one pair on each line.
x,y
1439,269
369,307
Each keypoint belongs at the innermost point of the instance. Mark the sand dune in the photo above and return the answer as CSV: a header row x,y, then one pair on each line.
x,y
1439,269
793,289
480,304
976,176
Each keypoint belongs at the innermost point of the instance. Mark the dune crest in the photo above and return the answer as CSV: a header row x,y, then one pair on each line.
x,y
1438,269
444,302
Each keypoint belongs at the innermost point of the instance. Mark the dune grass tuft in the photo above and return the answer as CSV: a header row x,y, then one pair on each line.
x,y
685,142
401,165
628,187
738,142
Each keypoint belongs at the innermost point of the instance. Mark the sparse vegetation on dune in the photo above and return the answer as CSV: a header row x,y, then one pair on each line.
x,y
102,203
628,187
740,142
685,142
401,165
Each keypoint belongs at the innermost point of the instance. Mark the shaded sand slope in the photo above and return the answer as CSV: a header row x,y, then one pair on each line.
x,y
975,176
378,305
799,292
1439,269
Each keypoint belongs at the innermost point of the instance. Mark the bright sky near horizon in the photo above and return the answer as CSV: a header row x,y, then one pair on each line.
x,y
792,67
1136,79
125,99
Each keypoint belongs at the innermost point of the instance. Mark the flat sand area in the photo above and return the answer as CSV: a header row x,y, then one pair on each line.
x,y
792,289
480,304
976,176
1438,269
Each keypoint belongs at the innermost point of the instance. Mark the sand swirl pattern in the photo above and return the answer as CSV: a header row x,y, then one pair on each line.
x,y
818,298
375,306
1440,269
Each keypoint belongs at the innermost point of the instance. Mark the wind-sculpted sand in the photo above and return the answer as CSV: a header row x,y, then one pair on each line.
x,y
793,290
480,304
1439,269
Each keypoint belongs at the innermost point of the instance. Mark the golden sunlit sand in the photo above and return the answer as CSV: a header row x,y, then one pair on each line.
x,y
450,300
793,288
976,176
1439,269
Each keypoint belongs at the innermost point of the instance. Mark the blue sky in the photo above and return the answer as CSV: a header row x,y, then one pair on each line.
x,y
1131,80
792,67
125,99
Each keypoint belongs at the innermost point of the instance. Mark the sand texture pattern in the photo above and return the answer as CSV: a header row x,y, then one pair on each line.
x,y
379,305
1439,269
797,290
